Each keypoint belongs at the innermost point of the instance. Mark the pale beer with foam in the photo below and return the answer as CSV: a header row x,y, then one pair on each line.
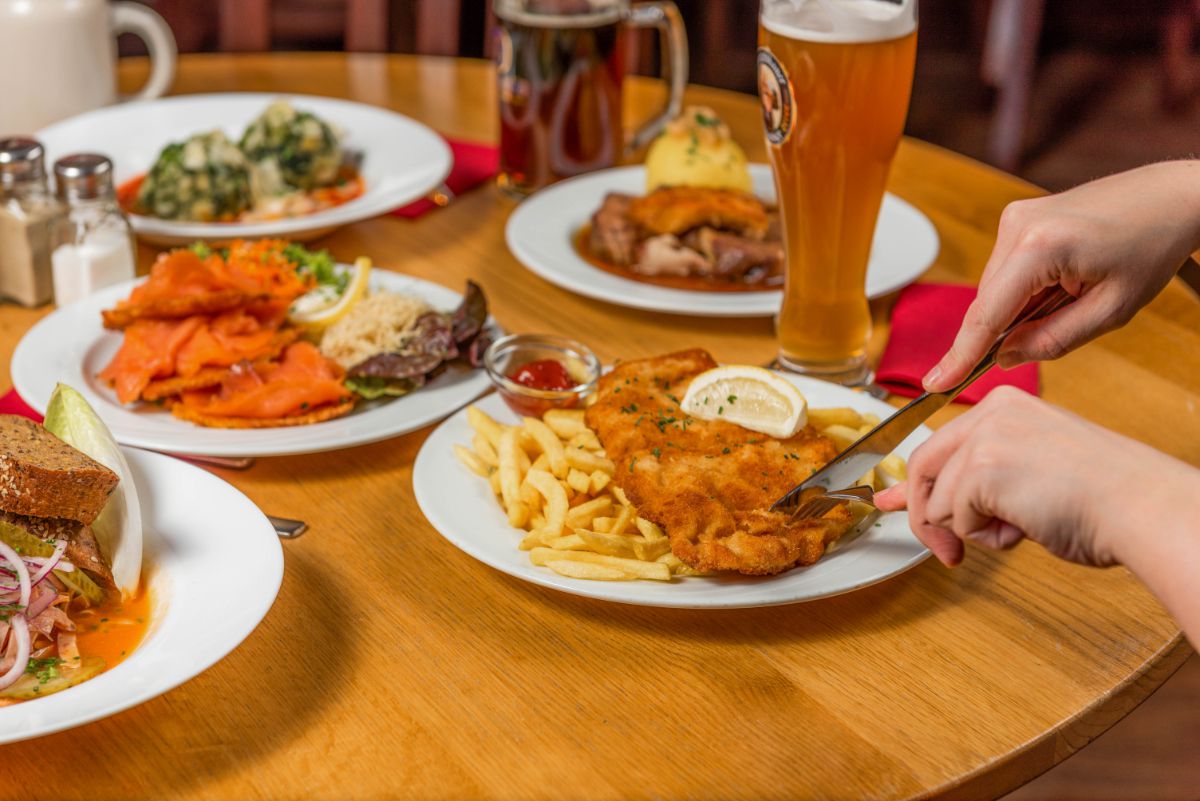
x,y
834,78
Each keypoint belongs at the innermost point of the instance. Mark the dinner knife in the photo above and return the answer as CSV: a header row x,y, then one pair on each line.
x,y
854,462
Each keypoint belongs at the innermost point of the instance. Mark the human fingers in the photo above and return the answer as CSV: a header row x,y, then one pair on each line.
x,y
894,498
924,467
1095,313
994,308
951,493
997,534
944,545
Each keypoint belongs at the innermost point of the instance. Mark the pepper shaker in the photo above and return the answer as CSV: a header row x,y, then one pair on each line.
x,y
29,220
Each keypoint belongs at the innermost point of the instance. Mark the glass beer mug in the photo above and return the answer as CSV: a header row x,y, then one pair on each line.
x,y
561,66
834,78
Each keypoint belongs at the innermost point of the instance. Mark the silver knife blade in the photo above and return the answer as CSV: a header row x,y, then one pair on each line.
x,y
854,462
851,464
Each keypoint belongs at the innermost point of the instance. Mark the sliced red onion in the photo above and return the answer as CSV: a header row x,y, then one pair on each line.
x,y
49,562
20,570
20,630
41,601
63,565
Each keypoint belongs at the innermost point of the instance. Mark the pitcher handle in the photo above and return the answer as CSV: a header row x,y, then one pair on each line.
x,y
663,15
152,29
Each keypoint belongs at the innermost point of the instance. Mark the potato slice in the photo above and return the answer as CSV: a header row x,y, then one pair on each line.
x,y
582,515
550,445
647,570
610,544
584,570
556,499
485,425
566,423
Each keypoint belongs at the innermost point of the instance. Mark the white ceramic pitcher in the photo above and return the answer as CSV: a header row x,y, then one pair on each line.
x,y
58,58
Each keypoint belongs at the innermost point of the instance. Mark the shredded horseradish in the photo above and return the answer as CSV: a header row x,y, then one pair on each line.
x,y
379,323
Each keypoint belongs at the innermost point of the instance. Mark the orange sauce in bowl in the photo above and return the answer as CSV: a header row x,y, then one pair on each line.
x,y
109,632
114,629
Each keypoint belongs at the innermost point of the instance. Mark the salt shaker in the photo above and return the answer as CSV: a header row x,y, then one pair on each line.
x,y
95,247
29,220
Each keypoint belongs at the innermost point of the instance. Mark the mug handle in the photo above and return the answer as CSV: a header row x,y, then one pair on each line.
x,y
152,29
663,15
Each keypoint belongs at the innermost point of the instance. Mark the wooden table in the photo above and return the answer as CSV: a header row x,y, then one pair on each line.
x,y
395,666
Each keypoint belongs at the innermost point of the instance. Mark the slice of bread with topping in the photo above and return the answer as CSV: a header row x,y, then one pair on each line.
x,y
42,476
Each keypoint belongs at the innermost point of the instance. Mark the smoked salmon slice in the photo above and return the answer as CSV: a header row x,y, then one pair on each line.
x,y
301,384
148,352
182,284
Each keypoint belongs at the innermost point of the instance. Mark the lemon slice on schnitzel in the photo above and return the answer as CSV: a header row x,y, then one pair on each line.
x,y
750,397
325,305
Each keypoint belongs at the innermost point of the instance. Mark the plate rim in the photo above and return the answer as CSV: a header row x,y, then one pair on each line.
x,y
595,590
191,667
703,304
22,364
334,217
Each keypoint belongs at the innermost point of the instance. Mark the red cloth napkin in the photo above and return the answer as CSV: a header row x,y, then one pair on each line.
x,y
474,163
924,323
12,403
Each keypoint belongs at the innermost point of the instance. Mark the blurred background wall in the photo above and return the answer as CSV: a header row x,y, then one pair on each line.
x,y
1057,92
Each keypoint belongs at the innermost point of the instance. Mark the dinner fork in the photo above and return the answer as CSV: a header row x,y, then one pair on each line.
x,y
808,499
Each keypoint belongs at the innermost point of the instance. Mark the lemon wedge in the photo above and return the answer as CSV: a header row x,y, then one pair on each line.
x,y
322,307
750,397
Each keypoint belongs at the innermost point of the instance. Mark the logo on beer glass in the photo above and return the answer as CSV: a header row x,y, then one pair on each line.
x,y
775,94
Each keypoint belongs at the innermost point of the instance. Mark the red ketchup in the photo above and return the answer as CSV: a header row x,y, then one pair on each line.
x,y
545,374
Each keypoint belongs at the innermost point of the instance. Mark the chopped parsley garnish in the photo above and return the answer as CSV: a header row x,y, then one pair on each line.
x,y
630,409
725,450
44,669
732,399
657,452
319,264
674,399
632,462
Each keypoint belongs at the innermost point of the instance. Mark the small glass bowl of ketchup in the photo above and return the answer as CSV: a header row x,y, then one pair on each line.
x,y
537,372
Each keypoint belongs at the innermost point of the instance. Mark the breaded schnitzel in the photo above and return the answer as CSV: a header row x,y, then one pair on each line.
x,y
709,484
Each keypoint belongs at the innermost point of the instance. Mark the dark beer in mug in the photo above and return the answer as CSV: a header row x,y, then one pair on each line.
x,y
561,65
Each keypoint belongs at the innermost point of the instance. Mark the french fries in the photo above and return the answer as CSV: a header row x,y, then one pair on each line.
x,y
552,478
554,481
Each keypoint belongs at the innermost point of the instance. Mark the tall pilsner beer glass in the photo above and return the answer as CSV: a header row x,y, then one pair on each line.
x,y
834,78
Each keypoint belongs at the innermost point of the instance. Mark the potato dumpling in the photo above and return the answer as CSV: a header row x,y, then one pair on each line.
x,y
696,150
290,150
204,178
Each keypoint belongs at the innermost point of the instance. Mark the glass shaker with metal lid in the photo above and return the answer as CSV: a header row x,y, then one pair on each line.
x,y
29,218
95,248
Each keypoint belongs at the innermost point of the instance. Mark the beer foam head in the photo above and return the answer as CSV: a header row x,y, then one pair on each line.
x,y
843,21
559,13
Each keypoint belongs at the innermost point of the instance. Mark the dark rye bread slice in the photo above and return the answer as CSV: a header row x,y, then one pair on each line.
x,y
42,476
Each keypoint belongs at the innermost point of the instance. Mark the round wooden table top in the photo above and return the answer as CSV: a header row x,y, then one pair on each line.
x,y
395,666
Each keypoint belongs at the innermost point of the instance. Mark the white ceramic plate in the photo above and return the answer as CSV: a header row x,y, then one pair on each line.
x,y
540,232
214,566
461,506
72,346
403,158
